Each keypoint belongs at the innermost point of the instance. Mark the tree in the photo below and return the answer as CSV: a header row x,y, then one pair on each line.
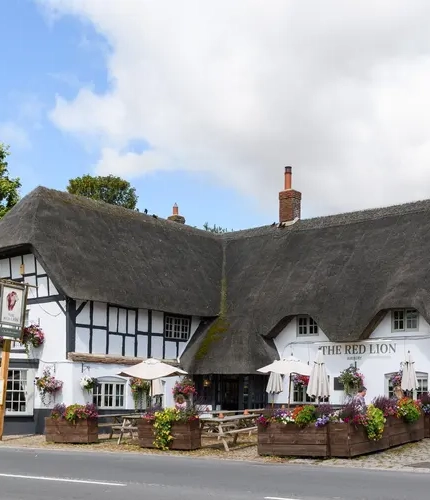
x,y
110,189
9,188
214,229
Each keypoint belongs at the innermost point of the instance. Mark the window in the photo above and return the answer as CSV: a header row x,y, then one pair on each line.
x,y
177,327
16,394
405,320
422,379
109,395
306,326
300,396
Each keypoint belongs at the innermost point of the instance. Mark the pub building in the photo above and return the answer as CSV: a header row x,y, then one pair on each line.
x,y
116,286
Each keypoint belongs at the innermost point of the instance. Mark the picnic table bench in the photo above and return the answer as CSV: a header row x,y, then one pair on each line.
x,y
121,422
229,426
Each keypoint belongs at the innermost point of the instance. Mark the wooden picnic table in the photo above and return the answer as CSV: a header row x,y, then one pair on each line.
x,y
122,422
229,426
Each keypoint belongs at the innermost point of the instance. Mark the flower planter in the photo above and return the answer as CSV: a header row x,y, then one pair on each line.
x,y
427,426
62,431
292,440
347,440
186,436
401,432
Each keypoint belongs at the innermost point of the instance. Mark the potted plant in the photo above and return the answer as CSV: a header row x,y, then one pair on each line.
x,y
48,386
140,391
88,383
72,424
170,428
301,432
300,380
351,379
185,388
33,336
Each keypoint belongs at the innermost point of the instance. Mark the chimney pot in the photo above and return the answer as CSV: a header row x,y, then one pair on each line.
x,y
175,209
289,200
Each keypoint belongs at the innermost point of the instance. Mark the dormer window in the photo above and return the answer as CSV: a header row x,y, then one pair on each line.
x,y
306,326
404,320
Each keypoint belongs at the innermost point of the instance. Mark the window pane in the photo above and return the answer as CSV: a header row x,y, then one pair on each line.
x,y
398,320
411,319
177,328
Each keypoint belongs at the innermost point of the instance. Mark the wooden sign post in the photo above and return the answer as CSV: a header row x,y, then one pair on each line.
x,y
13,301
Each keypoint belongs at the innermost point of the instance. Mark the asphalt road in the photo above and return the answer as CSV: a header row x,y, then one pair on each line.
x,y
51,475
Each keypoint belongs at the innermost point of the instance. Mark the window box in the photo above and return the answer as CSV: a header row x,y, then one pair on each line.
x,y
62,431
186,436
291,440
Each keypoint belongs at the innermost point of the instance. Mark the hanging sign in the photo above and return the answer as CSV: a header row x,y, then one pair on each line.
x,y
13,298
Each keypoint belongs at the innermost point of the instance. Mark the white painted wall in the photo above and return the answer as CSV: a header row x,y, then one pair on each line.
x,y
374,357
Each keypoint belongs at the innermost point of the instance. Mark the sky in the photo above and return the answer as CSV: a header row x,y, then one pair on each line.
x,y
204,103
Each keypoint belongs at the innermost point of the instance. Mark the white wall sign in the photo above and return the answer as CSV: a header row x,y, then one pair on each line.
x,y
356,351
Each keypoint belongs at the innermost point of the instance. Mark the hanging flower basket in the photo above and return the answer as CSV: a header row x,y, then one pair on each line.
x,y
185,388
300,380
88,383
140,390
32,336
396,379
351,379
48,386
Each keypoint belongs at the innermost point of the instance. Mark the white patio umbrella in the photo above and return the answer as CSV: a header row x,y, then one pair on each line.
x,y
152,369
275,385
287,367
318,386
409,377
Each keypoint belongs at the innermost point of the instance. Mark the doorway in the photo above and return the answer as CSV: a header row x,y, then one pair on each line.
x,y
230,393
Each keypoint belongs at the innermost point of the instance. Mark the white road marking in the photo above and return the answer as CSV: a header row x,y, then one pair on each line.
x,y
279,498
59,479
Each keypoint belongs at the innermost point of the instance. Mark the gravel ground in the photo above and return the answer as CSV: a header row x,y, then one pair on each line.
x,y
394,459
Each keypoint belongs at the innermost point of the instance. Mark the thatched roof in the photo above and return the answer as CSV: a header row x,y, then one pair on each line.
x,y
342,270
95,251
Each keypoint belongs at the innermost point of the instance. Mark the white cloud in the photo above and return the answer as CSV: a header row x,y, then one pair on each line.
x,y
14,135
337,89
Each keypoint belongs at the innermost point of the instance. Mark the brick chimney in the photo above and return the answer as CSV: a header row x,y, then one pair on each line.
x,y
289,199
175,217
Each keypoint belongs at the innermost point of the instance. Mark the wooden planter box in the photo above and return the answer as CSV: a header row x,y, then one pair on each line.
x,y
347,440
186,436
62,431
427,426
291,440
402,432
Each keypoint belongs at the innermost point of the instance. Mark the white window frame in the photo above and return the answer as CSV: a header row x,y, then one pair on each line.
x,y
177,327
29,396
407,311
422,387
309,324
115,382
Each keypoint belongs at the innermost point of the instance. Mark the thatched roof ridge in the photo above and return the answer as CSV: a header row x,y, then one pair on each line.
x,y
95,251
342,270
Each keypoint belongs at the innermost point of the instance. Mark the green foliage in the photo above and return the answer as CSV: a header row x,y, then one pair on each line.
x,y
163,427
214,229
9,195
110,189
375,423
306,416
409,410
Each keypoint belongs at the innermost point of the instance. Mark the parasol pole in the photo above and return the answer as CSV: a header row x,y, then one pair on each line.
x,y
289,392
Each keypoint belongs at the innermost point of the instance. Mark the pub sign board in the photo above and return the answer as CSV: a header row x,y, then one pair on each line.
x,y
12,310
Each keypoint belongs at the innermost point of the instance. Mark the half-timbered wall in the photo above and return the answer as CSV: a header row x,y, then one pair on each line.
x,y
106,329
